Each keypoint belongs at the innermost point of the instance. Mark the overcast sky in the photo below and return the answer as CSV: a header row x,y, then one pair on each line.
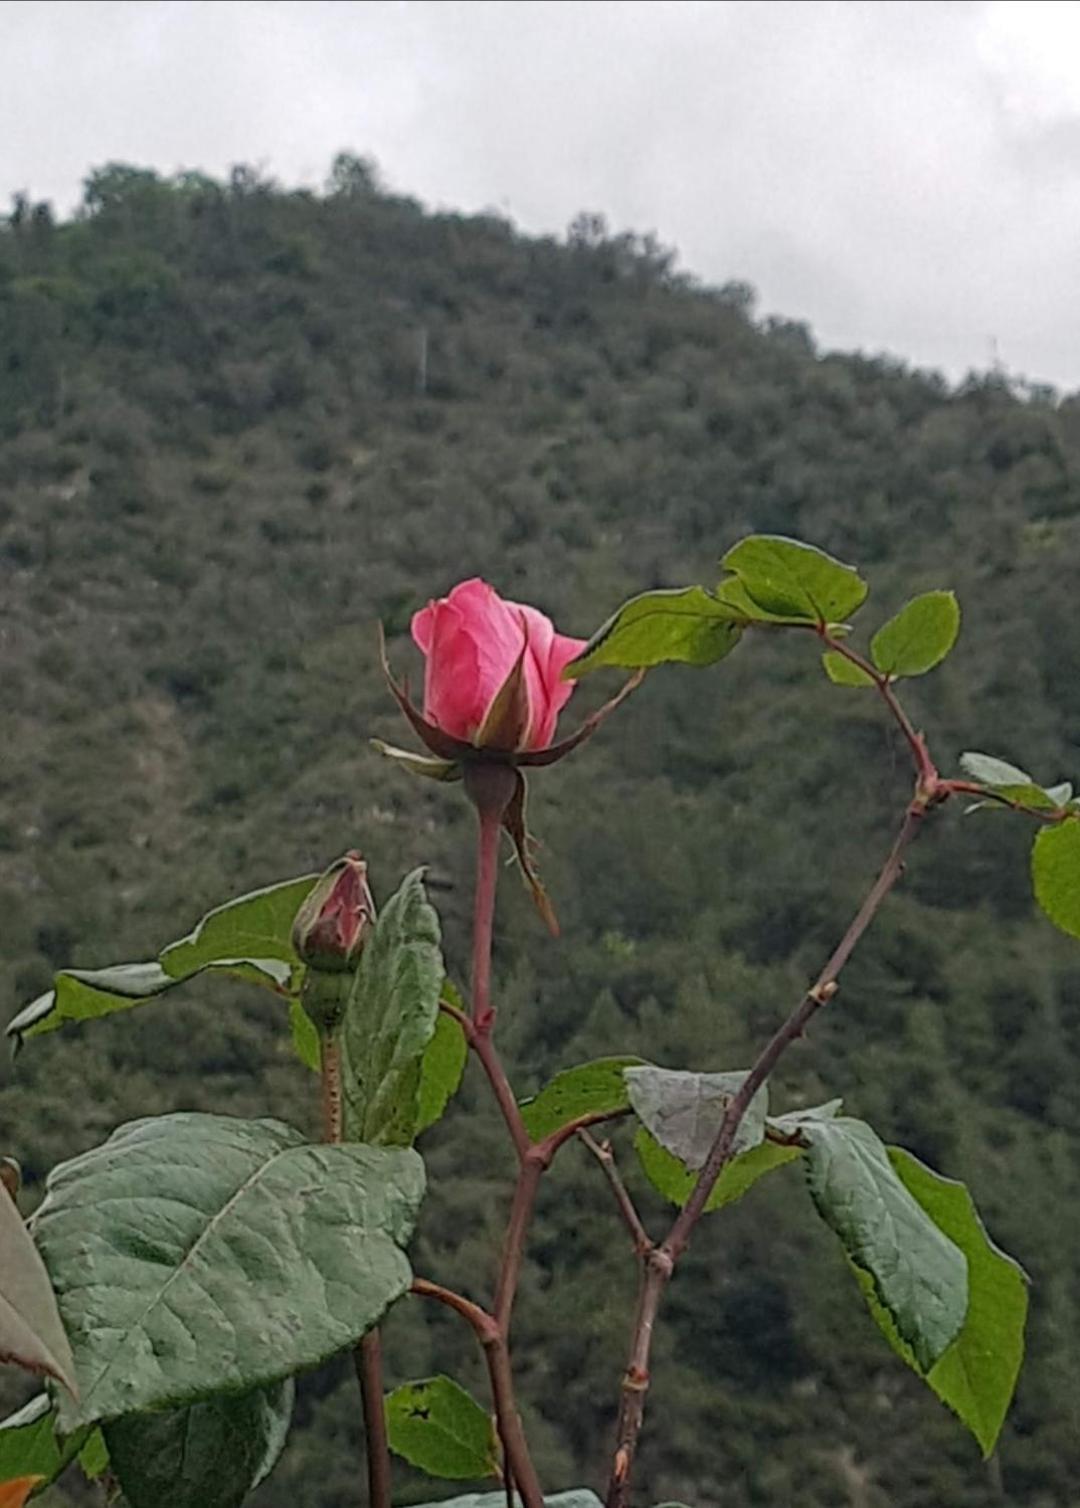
x,y
904,176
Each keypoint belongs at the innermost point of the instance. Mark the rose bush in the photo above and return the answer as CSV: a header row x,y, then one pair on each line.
x,y
493,673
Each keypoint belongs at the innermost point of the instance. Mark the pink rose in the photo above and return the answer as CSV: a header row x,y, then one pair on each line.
x,y
493,669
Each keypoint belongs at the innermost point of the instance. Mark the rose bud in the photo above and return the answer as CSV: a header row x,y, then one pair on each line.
x,y
331,925
493,669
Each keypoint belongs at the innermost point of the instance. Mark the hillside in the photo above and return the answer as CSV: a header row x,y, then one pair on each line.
x,y
238,426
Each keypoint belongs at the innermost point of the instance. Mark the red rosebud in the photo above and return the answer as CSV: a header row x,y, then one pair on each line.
x,y
331,925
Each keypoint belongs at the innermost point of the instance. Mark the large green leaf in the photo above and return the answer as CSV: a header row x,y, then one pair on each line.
x,y
580,1497
589,1088
919,636
917,1273
684,1111
686,625
390,1019
194,1254
251,927
210,1455
784,578
977,1374
1055,872
675,1181
439,1427
31,1331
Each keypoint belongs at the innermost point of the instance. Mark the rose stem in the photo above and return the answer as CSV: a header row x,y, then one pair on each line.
x,y
367,1356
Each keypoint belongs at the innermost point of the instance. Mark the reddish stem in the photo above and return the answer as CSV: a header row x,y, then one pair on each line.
x,y
367,1356
659,1264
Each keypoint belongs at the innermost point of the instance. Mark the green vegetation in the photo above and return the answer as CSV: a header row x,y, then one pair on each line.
x,y
239,426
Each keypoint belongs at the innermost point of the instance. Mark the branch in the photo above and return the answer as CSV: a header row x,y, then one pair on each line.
x,y
604,1155
924,766
367,1356
660,1263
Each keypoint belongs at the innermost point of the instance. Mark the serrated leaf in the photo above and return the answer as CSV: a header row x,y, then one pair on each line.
x,y
842,672
251,927
441,1069
580,1497
436,1425
918,637
675,1182
599,1086
211,1455
686,626
785,578
390,1019
918,1275
31,1330
195,1254
1055,873
976,1375
684,1111
305,1037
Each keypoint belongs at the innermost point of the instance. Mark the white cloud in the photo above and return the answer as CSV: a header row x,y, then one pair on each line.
x,y
904,176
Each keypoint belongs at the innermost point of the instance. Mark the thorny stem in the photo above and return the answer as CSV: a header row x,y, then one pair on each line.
x,y
659,1264
367,1356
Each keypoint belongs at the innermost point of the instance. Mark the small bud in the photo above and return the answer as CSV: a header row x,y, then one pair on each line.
x,y
330,927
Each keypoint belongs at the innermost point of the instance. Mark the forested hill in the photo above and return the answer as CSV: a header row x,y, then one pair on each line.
x,y
238,425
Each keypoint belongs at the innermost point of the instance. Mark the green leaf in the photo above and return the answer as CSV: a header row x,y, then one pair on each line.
x,y
31,1330
241,932
85,994
670,1178
919,636
684,1111
390,1019
28,1442
581,1497
437,1426
687,626
82,994
976,1375
787,579
1013,784
590,1087
918,1275
1055,872
441,1069
195,1254
305,1036
792,1122
842,672
210,1455
94,1456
